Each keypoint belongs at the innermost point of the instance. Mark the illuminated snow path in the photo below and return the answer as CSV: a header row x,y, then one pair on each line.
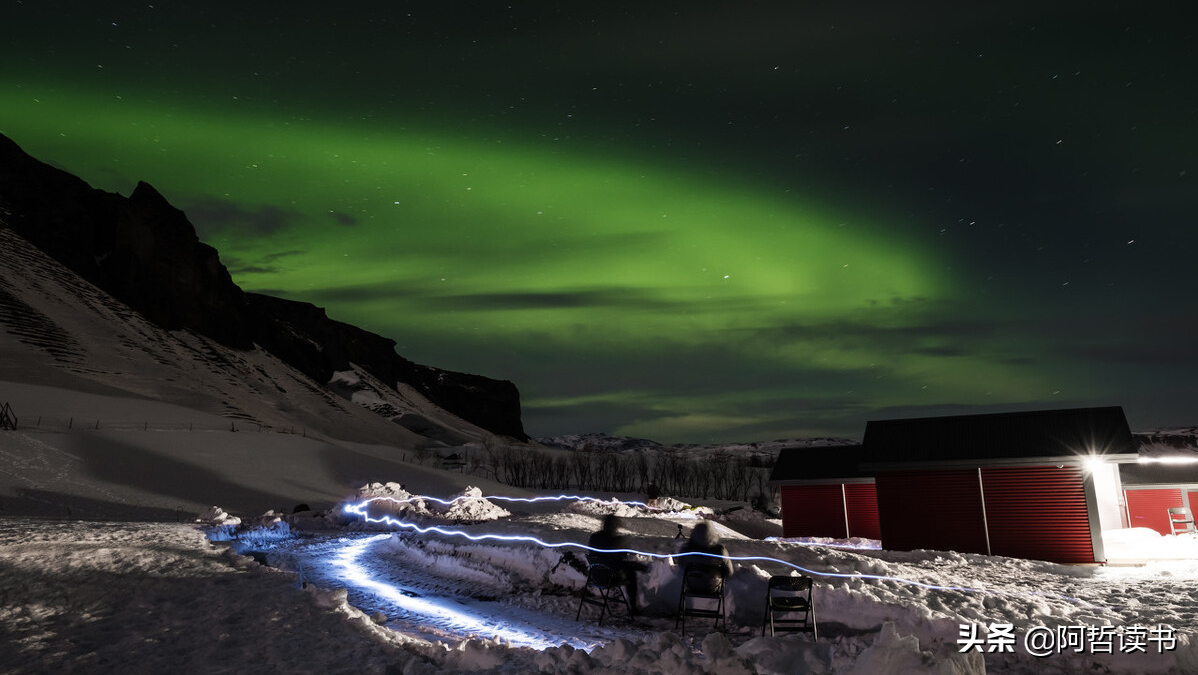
x,y
418,602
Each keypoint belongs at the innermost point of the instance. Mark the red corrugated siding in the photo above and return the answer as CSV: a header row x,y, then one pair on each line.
x,y
1038,512
862,502
812,511
939,510
1150,508
1191,501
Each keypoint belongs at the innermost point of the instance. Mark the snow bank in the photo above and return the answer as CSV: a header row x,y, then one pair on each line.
x,y
391,499
892,654
660,654
216,516
1142,543
602,508
667,507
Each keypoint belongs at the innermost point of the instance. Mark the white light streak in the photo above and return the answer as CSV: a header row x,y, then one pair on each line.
x,y
360,510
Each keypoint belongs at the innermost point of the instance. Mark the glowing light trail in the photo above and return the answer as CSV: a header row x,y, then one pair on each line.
x,y
360,510
354,572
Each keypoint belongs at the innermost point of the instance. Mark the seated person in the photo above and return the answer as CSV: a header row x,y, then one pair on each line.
x,y
704,539
623,567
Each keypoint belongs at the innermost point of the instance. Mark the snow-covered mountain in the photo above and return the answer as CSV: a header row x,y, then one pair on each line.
x,y
57,329
104,293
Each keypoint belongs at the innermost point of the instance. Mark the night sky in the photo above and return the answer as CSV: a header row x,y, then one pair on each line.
x,y
693,221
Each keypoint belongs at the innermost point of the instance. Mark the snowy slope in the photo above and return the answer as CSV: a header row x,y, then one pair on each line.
x,y
154,460
57,329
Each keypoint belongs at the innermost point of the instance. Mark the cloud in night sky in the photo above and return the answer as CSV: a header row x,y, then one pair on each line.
x,y
686,222
345,219
212,216
267,264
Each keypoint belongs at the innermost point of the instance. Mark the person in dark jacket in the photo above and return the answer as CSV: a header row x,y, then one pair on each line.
x,y
609,539
704,539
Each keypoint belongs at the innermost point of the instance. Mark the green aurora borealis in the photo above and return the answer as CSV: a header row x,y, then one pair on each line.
x,y
625,285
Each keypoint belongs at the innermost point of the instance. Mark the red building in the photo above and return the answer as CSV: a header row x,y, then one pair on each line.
x,y
1021,484
824,493
1154,485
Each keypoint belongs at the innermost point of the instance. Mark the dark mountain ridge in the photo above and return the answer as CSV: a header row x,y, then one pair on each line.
x,y
144,252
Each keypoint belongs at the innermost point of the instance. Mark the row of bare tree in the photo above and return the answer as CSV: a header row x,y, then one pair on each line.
x,y
716,476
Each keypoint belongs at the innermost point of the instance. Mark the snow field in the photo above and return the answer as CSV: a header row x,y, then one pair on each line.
x,y
103,597
100,597
925,596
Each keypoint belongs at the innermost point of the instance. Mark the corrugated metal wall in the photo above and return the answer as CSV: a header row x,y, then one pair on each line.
x,y
861,500
939,509
1039,513
813,511
1030,512
1150,508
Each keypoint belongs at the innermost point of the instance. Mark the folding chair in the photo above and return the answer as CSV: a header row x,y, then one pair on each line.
x,y
607,583
702,595
789,606
1180,520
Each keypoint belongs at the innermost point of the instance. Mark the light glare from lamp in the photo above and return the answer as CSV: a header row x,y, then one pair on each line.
x,y
1093,463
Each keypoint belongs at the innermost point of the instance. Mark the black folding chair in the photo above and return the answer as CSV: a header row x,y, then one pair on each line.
x,y
702,595
603,588
789,606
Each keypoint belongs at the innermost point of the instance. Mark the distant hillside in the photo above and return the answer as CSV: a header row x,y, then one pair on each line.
x,y
764,449
1164,441
132,286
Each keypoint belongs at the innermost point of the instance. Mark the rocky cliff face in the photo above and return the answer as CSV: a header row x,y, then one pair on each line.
x,y
145,253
